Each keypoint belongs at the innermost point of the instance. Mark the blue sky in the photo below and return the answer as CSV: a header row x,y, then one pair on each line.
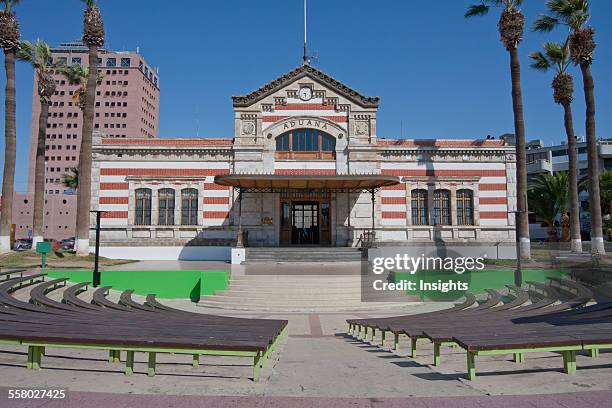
x,y
439,75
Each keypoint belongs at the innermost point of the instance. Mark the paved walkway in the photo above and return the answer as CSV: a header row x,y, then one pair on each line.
x,y
96,400
264,268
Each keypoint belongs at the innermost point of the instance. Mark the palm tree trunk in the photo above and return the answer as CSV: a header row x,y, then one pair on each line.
x,y
522,217
574,202
39,176
597,242
10,135
85,159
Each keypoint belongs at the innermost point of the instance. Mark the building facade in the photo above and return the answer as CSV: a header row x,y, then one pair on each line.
x,y
127,105
543,159
305,167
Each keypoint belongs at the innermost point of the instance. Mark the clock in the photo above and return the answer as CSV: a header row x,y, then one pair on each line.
x,y
305,94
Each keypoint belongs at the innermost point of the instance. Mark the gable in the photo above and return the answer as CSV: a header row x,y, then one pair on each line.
x,y
306,71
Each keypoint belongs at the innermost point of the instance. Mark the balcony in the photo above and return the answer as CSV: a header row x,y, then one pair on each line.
x,y
605,148
539,166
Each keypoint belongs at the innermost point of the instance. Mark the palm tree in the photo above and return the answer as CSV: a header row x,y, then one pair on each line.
x,y
71,180
9,41
93,37
548,198
557,56
77,74
575,15
511,27
39,55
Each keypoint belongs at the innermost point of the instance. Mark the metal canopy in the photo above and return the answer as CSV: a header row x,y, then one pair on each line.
x,y
333,183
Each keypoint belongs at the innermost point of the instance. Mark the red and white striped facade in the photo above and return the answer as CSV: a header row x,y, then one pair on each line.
x,y
293,107
486,168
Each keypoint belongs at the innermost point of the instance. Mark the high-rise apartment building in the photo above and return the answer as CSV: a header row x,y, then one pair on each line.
x,y
127,106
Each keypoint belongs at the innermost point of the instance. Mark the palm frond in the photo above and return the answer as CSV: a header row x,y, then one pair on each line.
x,y
549,196
572,13
539,61
26,52
555,52
9,4
76,74
476,10
545,23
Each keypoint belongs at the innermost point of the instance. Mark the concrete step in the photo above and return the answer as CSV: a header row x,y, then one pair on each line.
x,y
303,254
292,307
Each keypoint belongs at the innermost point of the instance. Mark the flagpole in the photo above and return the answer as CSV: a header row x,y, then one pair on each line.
x,y
305,36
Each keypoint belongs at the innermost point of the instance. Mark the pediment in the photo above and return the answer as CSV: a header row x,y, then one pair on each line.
x,y
305,71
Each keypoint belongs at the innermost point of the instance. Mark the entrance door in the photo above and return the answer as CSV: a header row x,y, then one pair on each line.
x,y
305,225
305,218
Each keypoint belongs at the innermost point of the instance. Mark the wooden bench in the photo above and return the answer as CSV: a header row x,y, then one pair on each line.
x,y
11,273
47,323
126,300
356,325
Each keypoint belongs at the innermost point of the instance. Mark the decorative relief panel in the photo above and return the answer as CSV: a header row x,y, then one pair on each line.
x,y
362,128
249,128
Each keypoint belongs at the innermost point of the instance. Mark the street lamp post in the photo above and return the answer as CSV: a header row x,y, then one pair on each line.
x,y
96,272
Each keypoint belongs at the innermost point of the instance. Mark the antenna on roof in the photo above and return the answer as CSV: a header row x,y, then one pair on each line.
x,y
306,61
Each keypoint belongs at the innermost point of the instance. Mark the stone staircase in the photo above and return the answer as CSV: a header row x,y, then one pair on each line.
x,y
302,254
294,293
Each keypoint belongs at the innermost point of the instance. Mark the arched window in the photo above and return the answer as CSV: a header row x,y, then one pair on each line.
x,y
305,143
419,207
441,207
166,206
143,207
465,207
189,206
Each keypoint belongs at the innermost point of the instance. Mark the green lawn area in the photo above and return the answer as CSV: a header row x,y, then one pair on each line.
x,y
166,284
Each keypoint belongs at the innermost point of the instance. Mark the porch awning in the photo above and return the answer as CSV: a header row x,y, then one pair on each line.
x,y
273,182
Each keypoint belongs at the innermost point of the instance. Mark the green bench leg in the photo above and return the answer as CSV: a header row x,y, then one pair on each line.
x,y
594,353
114,356
43,350
256,366
413,347
151,371
396,341
437,354
519,357
471,366
129,363
264,358
383,334
30,357
569,361
196,360
36,358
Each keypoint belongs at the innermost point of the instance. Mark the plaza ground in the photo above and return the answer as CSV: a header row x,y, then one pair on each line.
x,y
317,360
316,365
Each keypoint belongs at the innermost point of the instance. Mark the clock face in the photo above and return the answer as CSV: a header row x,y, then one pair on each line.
x,y
305,94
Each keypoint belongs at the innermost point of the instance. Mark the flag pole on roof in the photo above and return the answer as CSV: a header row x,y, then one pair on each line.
x,y
305,35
